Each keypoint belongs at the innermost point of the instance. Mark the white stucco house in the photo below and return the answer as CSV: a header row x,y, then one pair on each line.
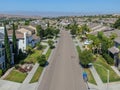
x,y
25,37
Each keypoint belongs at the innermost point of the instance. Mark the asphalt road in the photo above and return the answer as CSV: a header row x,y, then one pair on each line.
x,y
63,71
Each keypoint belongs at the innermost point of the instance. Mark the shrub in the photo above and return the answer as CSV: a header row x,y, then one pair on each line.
x,y
50,42
86,57
42,60
29,50
22,62
108,59
1,72
39,46
17,66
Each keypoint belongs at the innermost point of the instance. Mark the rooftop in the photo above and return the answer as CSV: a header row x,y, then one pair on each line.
x,y
117,40
113,50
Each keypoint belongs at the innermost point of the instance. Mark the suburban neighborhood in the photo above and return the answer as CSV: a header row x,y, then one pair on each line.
x,y
73,45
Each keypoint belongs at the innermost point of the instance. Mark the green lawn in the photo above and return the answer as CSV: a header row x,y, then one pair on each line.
x,y
16,76
78,49
44,46
90,76
37,74
48,53
33,56
103,73
40,69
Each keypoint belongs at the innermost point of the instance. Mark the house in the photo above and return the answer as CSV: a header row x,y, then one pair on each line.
x,y
2,54
114,51
2,49
117,42
25,37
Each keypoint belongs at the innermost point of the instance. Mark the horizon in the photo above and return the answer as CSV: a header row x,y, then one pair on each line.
x,y
67,6
55,14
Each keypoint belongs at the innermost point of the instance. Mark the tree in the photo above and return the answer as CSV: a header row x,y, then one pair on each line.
x,y
113,36
14,43
39,46
117,24
40,31
29,50
74,29
79,31
7,48
56,32
85,29
50,42
100,35
42,60
49,32
86,57
27,22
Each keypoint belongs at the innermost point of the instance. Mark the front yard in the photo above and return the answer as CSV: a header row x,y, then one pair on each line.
x,y
33,57
16,76
38,72
102,72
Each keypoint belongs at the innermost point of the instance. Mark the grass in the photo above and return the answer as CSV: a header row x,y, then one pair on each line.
x,y
37,74
33,56
90,76
48,53
78,49
44,46
16,76
102,72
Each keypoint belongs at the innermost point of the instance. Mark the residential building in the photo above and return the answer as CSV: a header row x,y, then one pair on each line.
x,y
114,51
2,55
25,37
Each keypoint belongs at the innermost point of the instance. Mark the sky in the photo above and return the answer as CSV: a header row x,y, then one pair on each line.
x,y
61,5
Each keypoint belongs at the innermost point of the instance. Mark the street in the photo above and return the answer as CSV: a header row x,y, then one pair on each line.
x,y
63,71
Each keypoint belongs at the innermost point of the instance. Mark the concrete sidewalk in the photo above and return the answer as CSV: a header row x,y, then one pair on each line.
x,y
9,85
116,70
25,85
97,78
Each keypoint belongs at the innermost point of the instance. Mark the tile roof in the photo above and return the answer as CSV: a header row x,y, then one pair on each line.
x,y
18,34
35,37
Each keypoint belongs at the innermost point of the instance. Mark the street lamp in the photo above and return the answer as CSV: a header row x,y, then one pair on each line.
x,y
108,73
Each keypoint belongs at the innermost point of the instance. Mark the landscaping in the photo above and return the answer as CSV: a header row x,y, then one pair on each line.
x,y
16,76
33,57
102,72
37,74
48,53
90,76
